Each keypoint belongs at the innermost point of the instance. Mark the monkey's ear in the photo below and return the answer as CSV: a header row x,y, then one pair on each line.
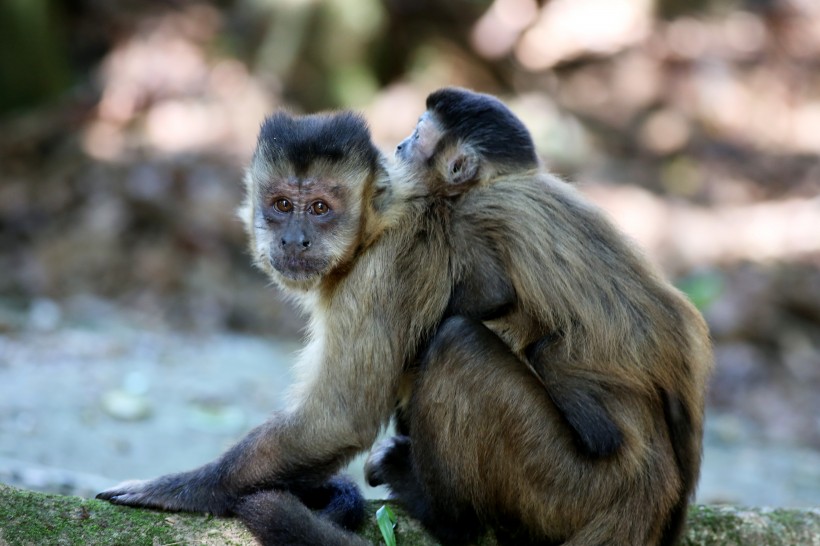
x,y
463,170
382,195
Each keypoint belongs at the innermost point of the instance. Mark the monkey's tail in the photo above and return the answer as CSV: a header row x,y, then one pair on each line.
x,y
686,446
324,515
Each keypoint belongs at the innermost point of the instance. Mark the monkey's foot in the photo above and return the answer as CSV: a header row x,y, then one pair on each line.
x,y
196,491
387,461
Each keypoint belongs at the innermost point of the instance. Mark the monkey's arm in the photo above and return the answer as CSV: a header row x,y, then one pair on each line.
x,y
351,375
338,413
485,292
277,454
581,401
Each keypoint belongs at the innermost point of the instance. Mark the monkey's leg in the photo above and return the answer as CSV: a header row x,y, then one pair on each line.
x,y
415,467
487,445
306,515
581,401
337,499
450,518
278,517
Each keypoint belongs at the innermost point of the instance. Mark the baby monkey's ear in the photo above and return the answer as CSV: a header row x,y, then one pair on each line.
x,y
463,171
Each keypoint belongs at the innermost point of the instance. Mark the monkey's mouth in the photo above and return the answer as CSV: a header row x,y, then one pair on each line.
x,y
298,268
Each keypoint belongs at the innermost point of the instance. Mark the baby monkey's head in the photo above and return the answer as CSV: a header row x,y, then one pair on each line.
x,y
463,139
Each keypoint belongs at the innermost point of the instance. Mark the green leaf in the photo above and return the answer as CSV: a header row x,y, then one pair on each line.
x,y
702,288
387,521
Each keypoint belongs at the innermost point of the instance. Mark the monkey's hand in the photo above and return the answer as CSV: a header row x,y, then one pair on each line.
x,y
389,462
199,490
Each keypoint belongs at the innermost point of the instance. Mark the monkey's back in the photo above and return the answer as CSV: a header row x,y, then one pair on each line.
x,y
575,272
616,320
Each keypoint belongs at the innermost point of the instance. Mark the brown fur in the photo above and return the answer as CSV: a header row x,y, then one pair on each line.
x,y
625,332
615,329
381,289
385,284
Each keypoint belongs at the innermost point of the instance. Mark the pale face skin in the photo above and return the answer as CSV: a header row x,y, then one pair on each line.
x,y
298,215
448,170
421,143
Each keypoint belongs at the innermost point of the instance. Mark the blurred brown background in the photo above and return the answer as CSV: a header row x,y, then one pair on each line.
x,y
136,338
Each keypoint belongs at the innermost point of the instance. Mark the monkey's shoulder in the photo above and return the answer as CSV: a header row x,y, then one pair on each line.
x,y
408,260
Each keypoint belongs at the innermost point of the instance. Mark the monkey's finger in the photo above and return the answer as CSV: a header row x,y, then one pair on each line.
x,y
121,489
139,493
184,492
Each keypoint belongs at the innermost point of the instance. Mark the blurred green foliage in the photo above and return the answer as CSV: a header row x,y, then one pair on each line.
x,y
34,66
703,287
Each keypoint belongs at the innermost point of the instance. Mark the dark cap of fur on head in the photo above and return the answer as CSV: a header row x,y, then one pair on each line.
x,y
302,140
485,123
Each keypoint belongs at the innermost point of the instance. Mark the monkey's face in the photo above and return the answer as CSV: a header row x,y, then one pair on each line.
x,y
419,147
309,191
448,166
302,224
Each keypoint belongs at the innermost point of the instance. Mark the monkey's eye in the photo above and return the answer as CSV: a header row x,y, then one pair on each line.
x,y
319,208
283,205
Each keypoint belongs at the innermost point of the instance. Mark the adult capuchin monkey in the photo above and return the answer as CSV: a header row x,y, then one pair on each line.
x,y
623,356
374,262
369,264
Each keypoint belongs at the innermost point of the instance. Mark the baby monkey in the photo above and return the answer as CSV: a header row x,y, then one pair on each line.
x,y
466,140
548,297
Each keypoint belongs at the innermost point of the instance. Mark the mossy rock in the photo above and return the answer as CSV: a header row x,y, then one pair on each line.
x,y
34,519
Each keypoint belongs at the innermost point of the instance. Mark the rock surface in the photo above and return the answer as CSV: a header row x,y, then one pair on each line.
x,y
35,518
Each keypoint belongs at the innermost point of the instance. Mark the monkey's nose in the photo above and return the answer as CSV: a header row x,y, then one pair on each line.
x,y
293,241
